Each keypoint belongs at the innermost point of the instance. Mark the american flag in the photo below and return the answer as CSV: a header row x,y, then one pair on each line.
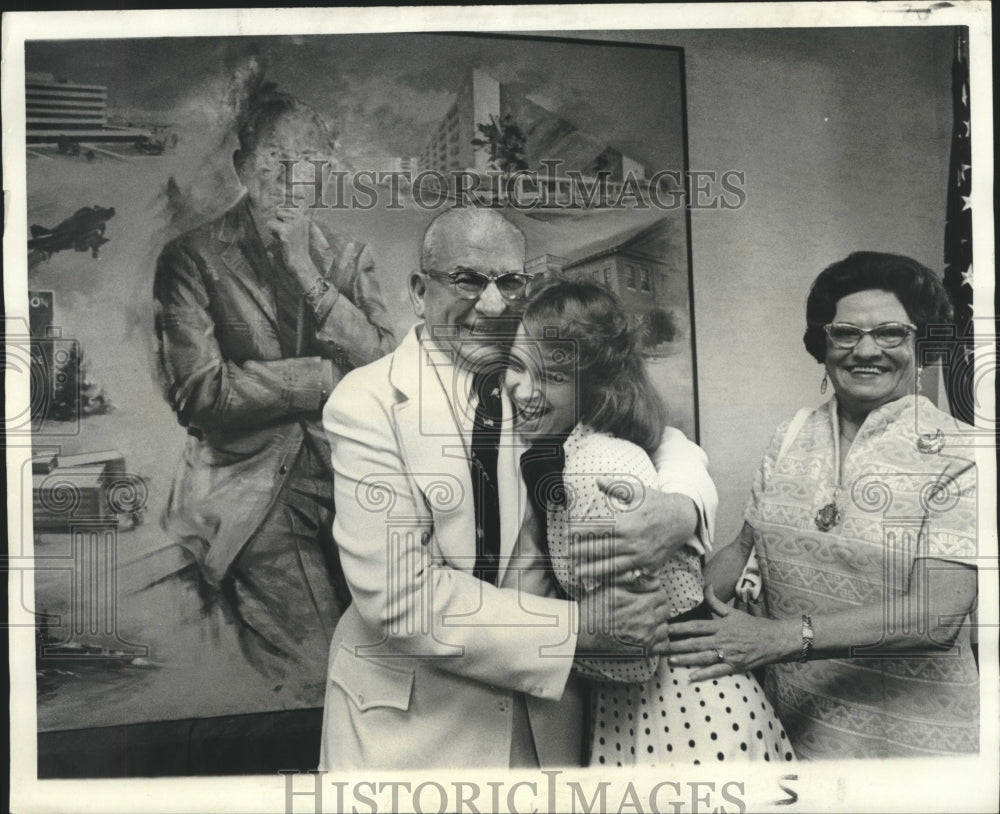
x,y
958,238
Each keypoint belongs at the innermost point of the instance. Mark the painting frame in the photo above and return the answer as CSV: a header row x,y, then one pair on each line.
x,y
591,203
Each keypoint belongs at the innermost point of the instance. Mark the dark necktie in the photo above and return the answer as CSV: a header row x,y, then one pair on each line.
x,y
483,460
288,296
542,468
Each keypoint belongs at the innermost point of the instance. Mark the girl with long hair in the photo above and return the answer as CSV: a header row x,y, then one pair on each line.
x,y
582,398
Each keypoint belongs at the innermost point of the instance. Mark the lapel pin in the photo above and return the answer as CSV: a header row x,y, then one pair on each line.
x,y
931,443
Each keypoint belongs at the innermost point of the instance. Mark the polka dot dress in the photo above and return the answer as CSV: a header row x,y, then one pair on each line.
x,y
644,712
667,720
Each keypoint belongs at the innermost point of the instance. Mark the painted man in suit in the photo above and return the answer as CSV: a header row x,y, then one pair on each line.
x,y
259,314
454,654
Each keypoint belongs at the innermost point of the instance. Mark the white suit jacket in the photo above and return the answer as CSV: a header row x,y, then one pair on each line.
x,y
425,663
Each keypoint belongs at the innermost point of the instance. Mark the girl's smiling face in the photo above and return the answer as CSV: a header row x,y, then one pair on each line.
x,y
541,382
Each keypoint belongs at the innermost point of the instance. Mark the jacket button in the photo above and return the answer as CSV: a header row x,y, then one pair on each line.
x,y
361,698
282,469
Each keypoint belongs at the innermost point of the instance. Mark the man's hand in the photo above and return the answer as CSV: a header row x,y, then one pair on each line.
x,y
649,527
618,621
292,230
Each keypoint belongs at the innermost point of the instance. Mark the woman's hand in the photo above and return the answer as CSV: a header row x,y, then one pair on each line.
x,y
735,642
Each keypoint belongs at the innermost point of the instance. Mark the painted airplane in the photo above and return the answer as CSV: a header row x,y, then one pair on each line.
x,y
82,230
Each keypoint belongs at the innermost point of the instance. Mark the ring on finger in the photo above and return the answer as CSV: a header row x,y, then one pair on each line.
x,y
720,654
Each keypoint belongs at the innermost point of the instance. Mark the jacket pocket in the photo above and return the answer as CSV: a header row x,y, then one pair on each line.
x,y
370,684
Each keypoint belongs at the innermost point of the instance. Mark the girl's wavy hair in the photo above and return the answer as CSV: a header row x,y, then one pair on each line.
x,y
615,392
917,288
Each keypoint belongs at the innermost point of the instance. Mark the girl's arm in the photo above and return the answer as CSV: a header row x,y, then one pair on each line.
x,y
726,566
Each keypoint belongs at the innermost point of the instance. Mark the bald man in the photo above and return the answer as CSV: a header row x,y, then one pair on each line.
x,y
457,650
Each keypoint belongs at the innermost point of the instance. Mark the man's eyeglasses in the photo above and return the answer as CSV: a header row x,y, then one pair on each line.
x,y
471,284
887,335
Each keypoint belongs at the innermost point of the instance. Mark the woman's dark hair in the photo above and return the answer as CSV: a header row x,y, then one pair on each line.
x,y
616,395
916,287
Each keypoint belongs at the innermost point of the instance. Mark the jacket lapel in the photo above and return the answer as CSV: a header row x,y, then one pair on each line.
x,y
433,451
231,235
437,458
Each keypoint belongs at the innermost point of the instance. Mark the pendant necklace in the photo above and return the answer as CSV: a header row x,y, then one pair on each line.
x,y
830,515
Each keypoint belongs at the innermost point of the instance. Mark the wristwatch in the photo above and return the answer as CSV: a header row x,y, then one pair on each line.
x,y
315,294
807,637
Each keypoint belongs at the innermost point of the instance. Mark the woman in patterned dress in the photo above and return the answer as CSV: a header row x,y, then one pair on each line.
x,y
583,400
863,521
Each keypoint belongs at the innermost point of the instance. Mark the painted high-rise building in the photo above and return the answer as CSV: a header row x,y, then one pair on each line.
x,y
59,110
451,146
547,135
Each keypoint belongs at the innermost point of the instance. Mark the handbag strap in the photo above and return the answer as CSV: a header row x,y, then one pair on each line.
x,y
793,431
749,585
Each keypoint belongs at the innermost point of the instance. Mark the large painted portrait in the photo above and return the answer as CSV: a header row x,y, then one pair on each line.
x,y
179,472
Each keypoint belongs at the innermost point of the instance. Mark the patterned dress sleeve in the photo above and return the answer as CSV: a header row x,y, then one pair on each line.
x,y
589,514
950,519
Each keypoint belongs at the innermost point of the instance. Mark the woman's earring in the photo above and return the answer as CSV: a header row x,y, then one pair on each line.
x,y
823,384
920,380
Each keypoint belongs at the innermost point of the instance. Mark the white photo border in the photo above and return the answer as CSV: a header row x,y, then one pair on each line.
x,y
908,785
